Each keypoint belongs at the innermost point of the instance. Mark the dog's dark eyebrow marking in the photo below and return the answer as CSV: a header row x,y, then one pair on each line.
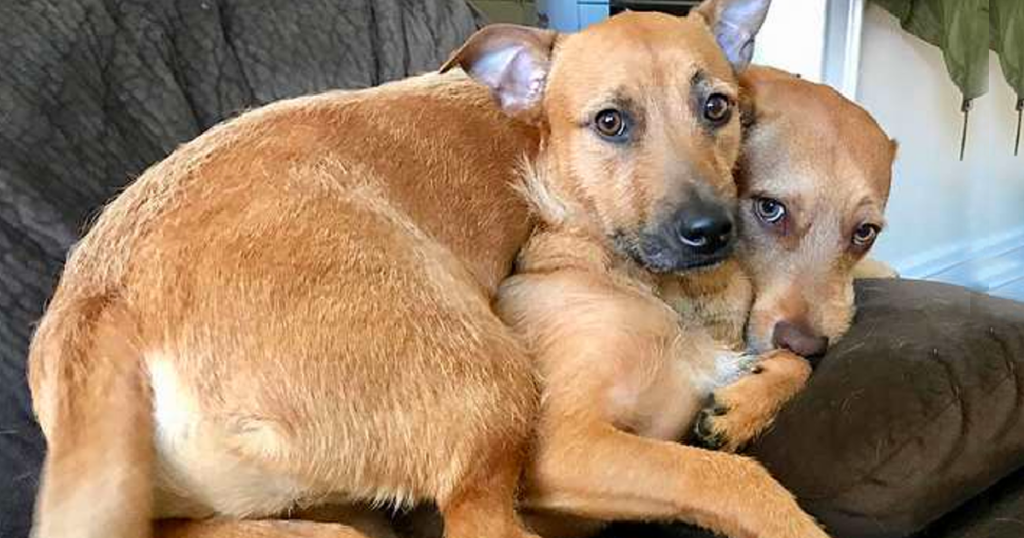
x,y
702,81
618,97
624,102
701,87
699,78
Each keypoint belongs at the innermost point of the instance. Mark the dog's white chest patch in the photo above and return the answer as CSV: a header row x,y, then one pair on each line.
x,y
730,366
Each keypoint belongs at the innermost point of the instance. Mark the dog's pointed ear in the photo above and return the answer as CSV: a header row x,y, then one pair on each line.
x,y
735,23
513,61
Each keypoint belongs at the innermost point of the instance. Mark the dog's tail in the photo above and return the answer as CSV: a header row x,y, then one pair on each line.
x,y
93,400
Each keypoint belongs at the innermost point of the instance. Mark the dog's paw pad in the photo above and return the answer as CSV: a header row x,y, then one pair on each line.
x,y
706,434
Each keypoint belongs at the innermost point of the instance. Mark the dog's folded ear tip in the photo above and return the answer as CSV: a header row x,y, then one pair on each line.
x,y
509,59
735,23
448,64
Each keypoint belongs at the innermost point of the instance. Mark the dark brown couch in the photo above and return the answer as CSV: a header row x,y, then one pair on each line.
x,y
912,422
916,412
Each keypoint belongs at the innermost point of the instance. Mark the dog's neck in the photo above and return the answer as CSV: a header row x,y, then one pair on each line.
x,y
566,236
717,298
566,248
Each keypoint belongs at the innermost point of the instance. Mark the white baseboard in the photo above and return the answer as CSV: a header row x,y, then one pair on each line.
x,y
945,258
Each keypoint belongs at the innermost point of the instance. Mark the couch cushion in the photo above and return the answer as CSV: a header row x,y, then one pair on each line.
x,y
996,513
917,410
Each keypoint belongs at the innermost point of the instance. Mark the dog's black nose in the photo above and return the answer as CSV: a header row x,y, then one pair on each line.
x,y
707,230
799,338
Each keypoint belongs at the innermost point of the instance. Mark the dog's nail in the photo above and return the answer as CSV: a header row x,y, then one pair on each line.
x,y
714,441
704,435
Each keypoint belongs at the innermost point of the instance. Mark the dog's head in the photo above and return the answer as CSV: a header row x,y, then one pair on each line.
x,y
638,113
813,183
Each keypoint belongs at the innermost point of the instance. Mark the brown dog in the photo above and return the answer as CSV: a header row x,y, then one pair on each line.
x,y
278,316
813,206
813,183
617,361
786,121
718,299
289,312
624,376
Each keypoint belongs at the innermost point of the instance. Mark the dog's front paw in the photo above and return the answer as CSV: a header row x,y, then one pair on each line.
x,y
707,432
739,412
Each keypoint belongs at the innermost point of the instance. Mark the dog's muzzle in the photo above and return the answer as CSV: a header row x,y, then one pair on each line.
x,y
698,234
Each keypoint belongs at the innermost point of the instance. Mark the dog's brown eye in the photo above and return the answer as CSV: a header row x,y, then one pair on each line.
x,y
610,123
717,109
769,210
865,234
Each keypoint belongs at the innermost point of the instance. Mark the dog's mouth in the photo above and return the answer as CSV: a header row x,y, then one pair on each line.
x,y
657,256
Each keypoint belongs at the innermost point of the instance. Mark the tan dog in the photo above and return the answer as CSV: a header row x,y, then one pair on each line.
x,y
812,208
294,309
616,361
288,311
716,299
624,375
813,183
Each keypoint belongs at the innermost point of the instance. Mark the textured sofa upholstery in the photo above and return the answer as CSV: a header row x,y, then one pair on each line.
x,y
915,413
94,91
918,410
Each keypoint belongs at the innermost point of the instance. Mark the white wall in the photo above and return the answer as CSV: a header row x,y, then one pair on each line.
x,y
941,211
793,37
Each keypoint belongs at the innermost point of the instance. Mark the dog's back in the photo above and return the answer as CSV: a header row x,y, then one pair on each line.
x,y
353,137
244,260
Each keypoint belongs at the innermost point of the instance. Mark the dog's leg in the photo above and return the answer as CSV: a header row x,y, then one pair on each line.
x,y
741,411
238,528
373,522
600,472
95,410
482,510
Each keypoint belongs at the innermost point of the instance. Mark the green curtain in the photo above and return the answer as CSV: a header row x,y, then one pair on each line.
x,y
1007,18
965,30
960,28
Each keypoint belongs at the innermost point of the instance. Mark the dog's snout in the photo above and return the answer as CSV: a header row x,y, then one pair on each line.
x,y
799,338
707,230
698,233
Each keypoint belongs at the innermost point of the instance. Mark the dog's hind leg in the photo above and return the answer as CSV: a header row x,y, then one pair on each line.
x,y
240,528
92,400
479,509
385,378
